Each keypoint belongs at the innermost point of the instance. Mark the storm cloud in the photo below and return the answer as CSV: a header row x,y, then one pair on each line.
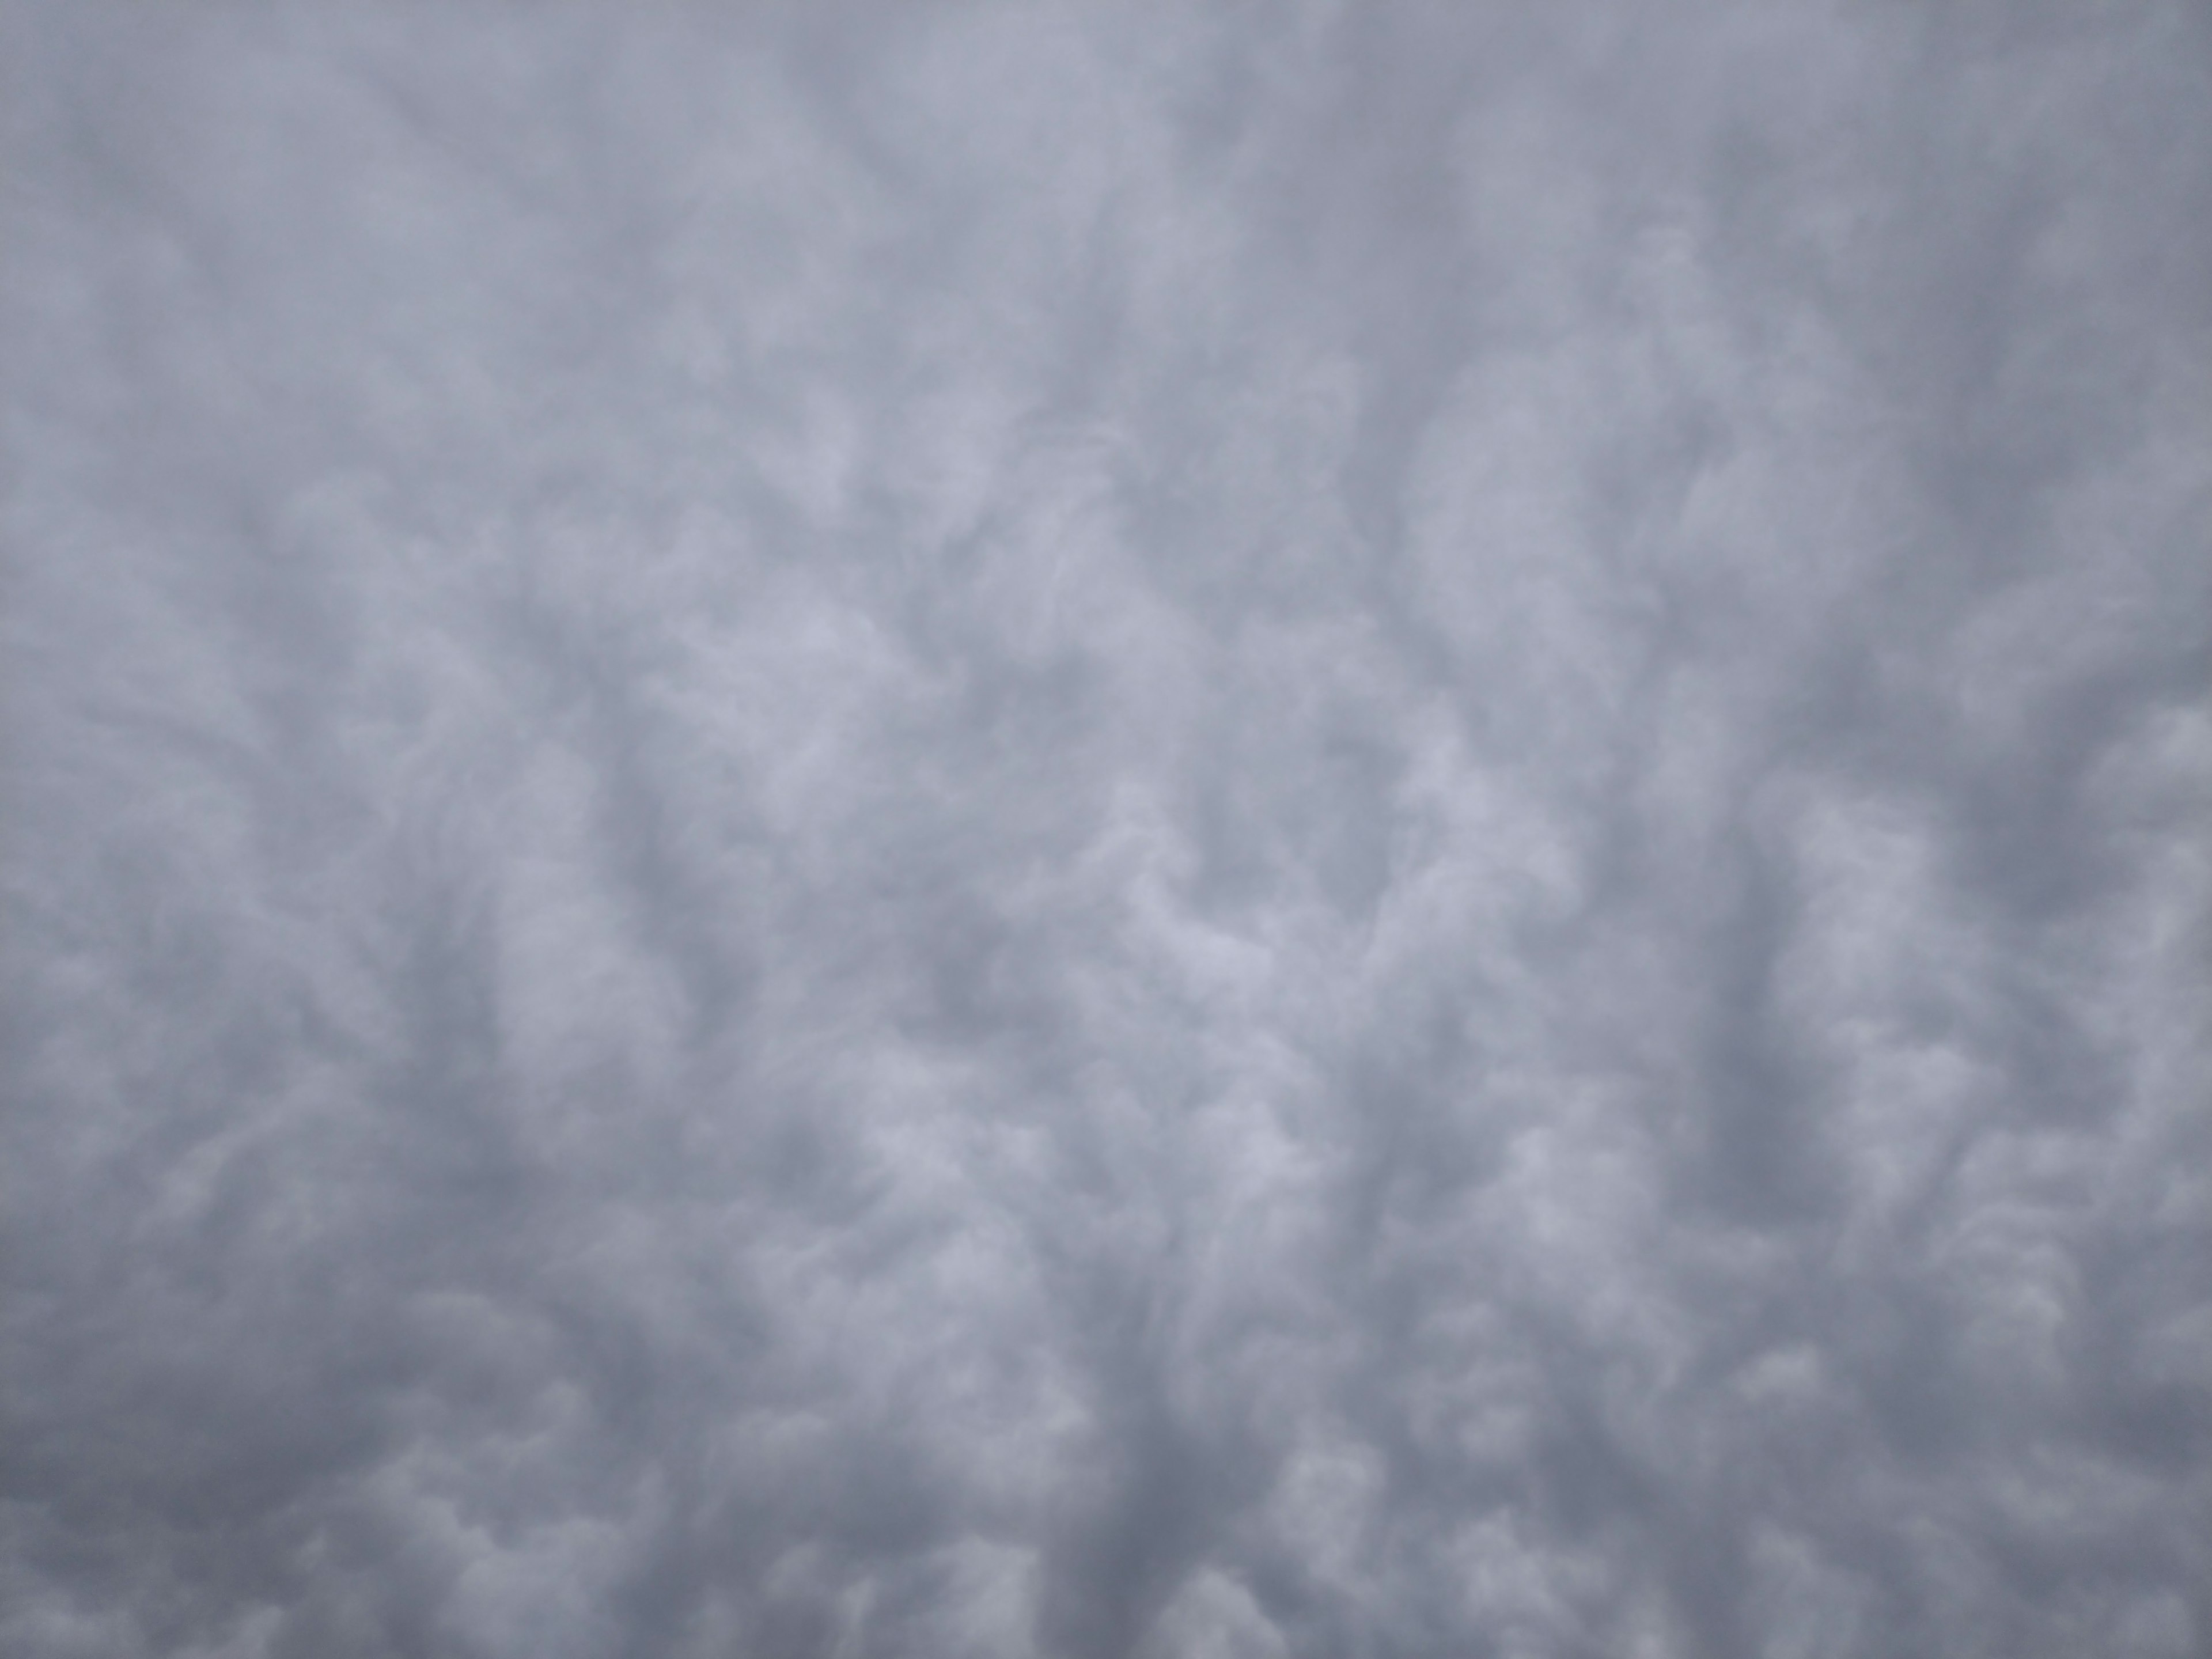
x,y
1112,830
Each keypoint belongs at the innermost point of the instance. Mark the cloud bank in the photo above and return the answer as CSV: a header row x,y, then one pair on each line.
x,y
1288,828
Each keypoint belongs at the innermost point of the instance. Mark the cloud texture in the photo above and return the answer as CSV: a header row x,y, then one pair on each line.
x,y
1111,830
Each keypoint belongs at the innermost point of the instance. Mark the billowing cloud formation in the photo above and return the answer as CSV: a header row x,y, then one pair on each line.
x,y
1107,830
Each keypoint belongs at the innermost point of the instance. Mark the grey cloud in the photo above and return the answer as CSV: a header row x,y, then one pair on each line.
x,y
1301,829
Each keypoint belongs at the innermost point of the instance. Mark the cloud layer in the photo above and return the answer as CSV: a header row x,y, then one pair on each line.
x,y
1131,830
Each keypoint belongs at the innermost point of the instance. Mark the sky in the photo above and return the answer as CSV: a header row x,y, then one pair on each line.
x,y
1112,830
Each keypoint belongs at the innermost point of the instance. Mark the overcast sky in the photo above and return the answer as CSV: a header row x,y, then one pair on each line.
x,y
1116,830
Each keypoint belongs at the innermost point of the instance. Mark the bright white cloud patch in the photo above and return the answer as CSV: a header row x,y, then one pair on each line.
x,y
1105,831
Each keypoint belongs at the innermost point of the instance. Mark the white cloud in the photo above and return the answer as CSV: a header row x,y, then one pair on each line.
x,y
1000,829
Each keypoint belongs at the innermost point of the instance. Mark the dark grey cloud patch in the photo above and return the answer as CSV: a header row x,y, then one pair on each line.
x,y
1300,830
